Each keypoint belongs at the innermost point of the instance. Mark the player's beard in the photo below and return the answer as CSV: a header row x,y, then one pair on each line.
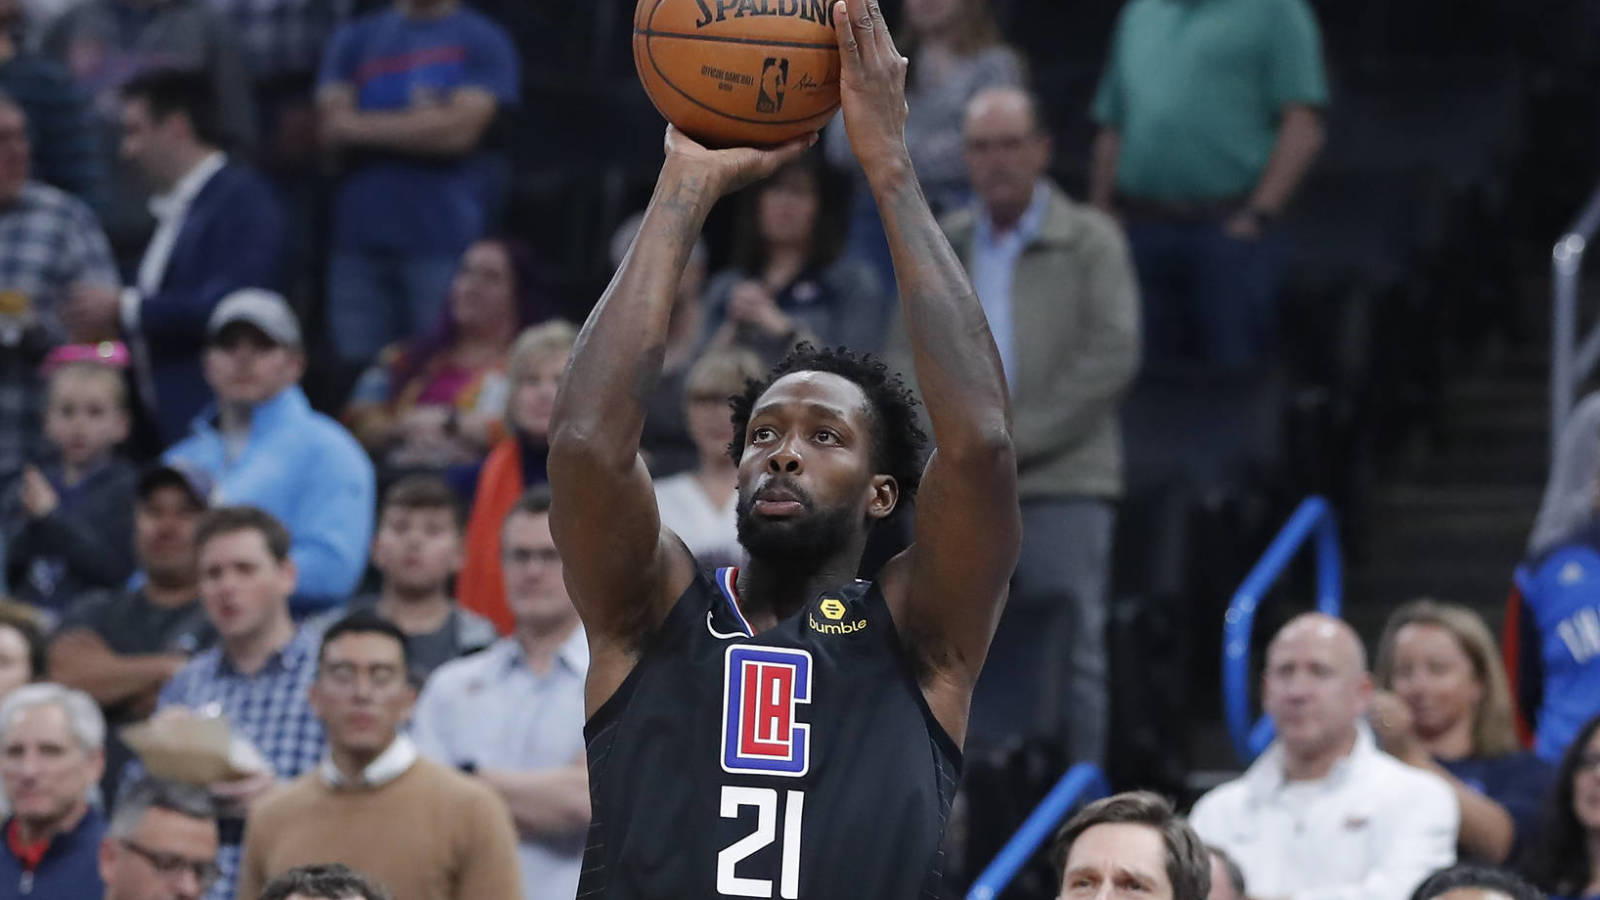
x,y
796,543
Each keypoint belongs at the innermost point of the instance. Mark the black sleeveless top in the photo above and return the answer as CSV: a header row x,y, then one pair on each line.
x,y
802,763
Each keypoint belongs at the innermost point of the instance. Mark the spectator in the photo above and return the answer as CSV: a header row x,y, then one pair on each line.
x,y
417,552
438,400
788,282
667,444
50,247
362,804
700,507
260,675
281,42
218,229
72,155
1209,117
1131,844
162,843
955,51
1566,860
21,649
50,758
1323,813
513,715
331,881
407,96
517,463
265,446
1227,881
1449,713
1469,881
1063,306
121,646
69,525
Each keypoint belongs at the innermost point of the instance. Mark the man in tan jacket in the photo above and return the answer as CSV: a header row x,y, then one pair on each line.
x,y
1059,290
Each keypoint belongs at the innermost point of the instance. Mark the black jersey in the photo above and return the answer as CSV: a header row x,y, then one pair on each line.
x,y
802,763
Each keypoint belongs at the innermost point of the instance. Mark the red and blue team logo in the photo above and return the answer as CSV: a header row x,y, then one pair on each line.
x,y
763,688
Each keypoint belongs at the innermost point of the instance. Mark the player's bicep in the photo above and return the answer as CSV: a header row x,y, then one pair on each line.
x,y
622,568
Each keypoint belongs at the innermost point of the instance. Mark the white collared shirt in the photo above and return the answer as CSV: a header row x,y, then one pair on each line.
x,y
393,762
1372,829
170,210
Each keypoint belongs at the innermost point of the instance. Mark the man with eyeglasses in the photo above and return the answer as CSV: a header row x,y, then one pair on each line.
x,y
512,715
373,804
162,843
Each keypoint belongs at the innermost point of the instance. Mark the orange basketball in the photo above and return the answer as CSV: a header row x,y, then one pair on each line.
x,y
739,72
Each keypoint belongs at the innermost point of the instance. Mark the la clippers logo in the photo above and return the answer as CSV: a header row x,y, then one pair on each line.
x,y
763,688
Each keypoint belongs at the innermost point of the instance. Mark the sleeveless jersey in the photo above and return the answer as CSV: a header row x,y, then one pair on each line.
x,y
802,763
1561,596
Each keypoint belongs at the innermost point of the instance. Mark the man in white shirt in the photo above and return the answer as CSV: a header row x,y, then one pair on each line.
x,y
219,228
1324,814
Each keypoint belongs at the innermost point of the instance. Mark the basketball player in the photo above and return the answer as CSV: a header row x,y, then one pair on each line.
x,y
781,730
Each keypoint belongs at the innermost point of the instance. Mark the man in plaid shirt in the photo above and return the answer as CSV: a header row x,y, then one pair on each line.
x,y
258,677
50,245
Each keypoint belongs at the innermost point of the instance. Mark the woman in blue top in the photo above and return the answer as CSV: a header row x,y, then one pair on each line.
x,y
1566,861
1445,708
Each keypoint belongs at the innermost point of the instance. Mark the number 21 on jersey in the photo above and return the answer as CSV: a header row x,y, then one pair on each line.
x,y
766,802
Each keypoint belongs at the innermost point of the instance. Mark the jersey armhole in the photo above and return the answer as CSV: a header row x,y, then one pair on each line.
x,y
680,620
903,661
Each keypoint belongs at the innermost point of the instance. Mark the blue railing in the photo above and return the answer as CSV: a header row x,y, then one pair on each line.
x,y
1313,519
1082,783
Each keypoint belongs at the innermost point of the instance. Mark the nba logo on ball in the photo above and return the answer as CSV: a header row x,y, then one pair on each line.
x,y
763,689
774,80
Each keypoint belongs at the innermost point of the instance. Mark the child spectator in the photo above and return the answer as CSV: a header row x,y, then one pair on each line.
x,y
70,521
418,551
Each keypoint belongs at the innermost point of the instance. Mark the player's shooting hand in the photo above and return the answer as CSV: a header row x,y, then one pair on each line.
x,y
872,87
726,171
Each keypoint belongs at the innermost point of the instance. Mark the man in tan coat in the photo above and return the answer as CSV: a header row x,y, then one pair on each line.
x,y
423,830
1059,290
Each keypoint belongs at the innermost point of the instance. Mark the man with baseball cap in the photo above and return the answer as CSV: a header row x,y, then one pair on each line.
x,y
120,646
264,446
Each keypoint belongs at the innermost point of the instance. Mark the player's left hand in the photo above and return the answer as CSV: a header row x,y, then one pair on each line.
x,y
734,168
872,87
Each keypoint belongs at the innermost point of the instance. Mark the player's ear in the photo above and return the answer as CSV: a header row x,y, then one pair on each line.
x,y
885,497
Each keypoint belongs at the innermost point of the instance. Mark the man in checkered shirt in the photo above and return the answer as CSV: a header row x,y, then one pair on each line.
x,y
258,676
50,245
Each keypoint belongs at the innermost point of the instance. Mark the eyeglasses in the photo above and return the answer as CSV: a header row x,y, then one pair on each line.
x,y
523,555
170,864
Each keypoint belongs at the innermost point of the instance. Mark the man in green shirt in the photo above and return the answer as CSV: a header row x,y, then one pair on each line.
x,y
1209,114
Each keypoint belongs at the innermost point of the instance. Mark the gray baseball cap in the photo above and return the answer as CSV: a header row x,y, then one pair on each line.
x,y
264,309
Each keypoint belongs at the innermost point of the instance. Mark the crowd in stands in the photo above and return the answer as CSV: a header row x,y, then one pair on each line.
x,y
275,397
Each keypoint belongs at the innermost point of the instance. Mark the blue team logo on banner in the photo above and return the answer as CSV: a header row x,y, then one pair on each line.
x,y
763,688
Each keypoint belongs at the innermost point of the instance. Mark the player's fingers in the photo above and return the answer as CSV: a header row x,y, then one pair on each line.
x,y
865,31
849,47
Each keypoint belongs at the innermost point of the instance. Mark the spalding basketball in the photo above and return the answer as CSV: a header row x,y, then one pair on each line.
x,y
739,72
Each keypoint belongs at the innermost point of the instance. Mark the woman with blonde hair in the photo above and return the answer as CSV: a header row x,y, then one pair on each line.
x,y
1443,706
534,368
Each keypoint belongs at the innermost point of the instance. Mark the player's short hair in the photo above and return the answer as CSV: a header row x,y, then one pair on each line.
x,y
324,881
422,492
232,519
1472,875
173,90
1188,862
898,441
150,793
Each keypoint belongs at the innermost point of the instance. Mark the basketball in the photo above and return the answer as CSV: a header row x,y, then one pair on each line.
x,y
739,72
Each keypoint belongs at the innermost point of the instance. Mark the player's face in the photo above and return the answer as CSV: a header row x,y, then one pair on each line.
x,y
1434,676
1117,860
1473,893
416,549
46,772
245,366
169,856
163,534
535,590
806,482
242,586
362,694
1314,687
1586,785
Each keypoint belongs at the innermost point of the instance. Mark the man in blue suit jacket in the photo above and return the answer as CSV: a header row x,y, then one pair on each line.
x,y
219,228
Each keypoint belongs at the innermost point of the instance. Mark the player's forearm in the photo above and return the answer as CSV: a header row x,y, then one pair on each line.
x,y
552,803
617,360
1300,139
957,364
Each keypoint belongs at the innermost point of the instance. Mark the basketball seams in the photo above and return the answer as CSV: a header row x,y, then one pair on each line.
x,y
824,116
729,39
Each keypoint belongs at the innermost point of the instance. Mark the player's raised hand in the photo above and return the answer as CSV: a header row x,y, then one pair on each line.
x,y
729,170
872,87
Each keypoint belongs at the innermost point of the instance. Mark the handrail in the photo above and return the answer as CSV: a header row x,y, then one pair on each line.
x,y
1569,363
1082,782
1314,517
